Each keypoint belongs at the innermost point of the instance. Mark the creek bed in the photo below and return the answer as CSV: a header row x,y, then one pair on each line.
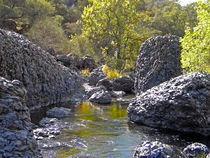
x,y
98,131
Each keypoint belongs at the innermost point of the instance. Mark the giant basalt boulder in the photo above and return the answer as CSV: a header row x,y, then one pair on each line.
x,y
158,61
182,104
46,81
16,137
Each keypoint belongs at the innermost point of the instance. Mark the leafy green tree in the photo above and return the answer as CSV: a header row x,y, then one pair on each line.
x,y
195,55
110,26
37,9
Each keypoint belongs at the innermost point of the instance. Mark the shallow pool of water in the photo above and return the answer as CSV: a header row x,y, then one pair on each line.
x,y
98,131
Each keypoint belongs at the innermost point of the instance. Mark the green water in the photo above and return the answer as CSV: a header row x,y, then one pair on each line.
x,y
97,131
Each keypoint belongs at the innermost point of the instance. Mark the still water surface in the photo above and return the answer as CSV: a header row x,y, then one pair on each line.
x,y
97,131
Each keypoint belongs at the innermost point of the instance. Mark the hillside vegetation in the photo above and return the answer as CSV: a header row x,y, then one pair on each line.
x,y
112,30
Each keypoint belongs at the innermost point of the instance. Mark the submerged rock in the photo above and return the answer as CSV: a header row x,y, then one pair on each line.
x,y
155,150
158,61
180,104
196,149
46,81
16,138
58,112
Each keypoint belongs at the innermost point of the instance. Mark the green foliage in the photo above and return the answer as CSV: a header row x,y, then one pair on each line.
x,y
195,55
81,46
170,18
110,27
6,13
36,9
48,33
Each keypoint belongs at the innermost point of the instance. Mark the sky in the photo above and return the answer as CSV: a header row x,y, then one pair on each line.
x,y
184,2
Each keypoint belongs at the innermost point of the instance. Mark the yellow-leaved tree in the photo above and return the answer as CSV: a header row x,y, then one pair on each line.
x,y
110,25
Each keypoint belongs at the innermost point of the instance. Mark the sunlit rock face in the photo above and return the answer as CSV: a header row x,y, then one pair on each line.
x,y
182,104
158,61
16,137
46,81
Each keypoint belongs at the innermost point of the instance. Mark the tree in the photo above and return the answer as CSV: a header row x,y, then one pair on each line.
x,y
36,9
110,26
195,55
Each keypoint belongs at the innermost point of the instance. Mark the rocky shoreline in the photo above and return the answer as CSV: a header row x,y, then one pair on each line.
x,y
33,78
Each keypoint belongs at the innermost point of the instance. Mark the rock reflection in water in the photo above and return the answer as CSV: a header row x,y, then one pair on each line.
x,y
102,131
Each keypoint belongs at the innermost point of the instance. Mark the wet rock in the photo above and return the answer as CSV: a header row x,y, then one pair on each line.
x,y
87,62
123,83
196,149
16,138
46,81
95,76
50,132
101,97
158,61
107,83
49,128
58,112
180,104
117,94
155,150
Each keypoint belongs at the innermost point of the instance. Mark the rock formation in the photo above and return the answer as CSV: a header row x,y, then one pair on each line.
x,y
46,81
123,83
196,150
16,137
156,150
158,61
182,104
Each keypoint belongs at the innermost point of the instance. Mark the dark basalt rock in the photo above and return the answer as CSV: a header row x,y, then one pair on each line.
x,y
101,97
16,138
58,112
95,76
90,91
156,150
158,61
180,104
87,62
107,83
196,149
46,81
123,83
65,60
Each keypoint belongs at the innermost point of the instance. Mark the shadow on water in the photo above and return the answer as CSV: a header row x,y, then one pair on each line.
x,y
103,131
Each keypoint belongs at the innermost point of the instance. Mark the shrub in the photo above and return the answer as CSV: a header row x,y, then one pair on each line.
x,y
112,73
85,72
48,33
